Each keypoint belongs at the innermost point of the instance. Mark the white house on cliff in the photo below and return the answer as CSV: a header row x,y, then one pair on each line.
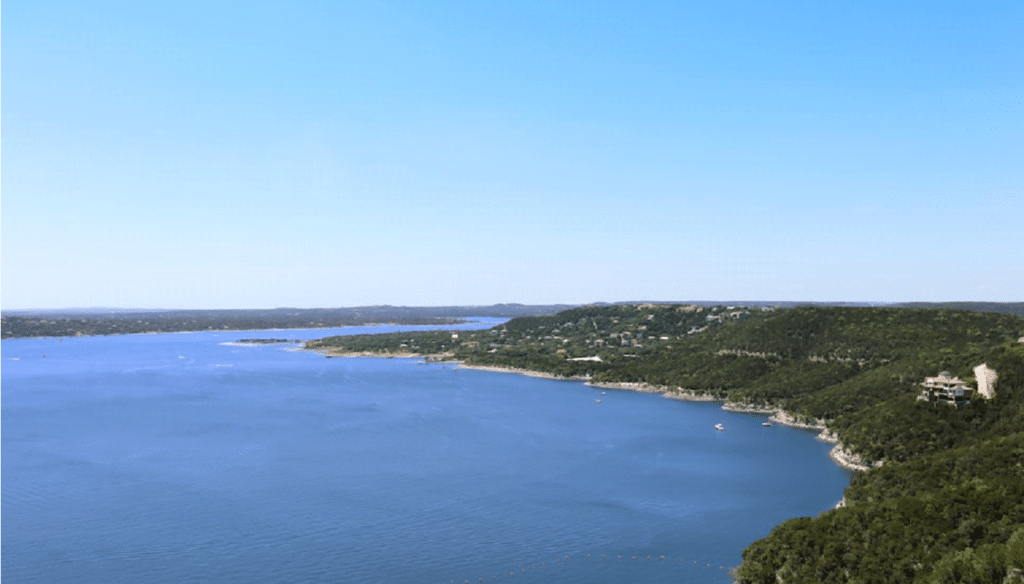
x,y
953,390
946,388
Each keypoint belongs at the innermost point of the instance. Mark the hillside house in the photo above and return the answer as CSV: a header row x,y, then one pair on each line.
x,y
946,388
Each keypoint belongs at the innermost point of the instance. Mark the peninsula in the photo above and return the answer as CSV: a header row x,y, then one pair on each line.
x,y
942,492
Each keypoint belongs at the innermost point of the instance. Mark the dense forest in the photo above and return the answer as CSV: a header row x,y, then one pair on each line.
x,y
944,498
1005,307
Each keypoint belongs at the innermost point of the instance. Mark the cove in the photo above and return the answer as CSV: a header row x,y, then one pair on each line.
x,y
184,457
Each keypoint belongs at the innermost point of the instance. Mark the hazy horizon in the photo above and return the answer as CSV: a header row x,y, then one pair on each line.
x,y
349,154
88,309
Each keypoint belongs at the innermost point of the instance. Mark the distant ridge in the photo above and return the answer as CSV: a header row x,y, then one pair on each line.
x,y
773,303
119,321
999,307
79,311
505,309
996,307
107,321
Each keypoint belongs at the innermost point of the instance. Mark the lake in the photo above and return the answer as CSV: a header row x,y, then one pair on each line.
x,y
185,457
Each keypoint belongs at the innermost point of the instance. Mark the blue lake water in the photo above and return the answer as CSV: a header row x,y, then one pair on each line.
x,y
183,458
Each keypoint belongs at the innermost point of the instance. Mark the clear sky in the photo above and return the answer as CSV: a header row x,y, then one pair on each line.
x,y
314,154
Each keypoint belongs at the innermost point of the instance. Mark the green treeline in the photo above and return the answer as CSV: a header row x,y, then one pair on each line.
x,y
951,511
68,323
947,504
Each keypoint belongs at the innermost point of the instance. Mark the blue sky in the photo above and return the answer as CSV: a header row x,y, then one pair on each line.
x,y
316,154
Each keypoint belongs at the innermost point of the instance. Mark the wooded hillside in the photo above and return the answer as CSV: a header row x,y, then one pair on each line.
x,y
946,505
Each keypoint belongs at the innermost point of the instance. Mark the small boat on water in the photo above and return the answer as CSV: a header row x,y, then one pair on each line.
x,y
719,427
597,400
766,423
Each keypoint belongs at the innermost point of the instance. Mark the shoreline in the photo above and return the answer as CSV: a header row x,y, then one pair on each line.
x,y
839,454
431,358
517,371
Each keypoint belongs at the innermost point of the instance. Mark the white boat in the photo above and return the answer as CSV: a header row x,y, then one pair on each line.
x,y
766,423
597,400
719,427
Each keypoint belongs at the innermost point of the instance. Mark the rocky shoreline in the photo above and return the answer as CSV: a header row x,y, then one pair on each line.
x,y
839,454
669,392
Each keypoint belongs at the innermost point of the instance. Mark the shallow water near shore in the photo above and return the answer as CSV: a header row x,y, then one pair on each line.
x,y
181,457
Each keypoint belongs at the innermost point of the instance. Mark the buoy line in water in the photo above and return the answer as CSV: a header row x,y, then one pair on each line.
x,y
547,567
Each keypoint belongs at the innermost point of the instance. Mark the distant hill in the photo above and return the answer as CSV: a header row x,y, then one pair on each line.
x,y
1002,307
65,323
